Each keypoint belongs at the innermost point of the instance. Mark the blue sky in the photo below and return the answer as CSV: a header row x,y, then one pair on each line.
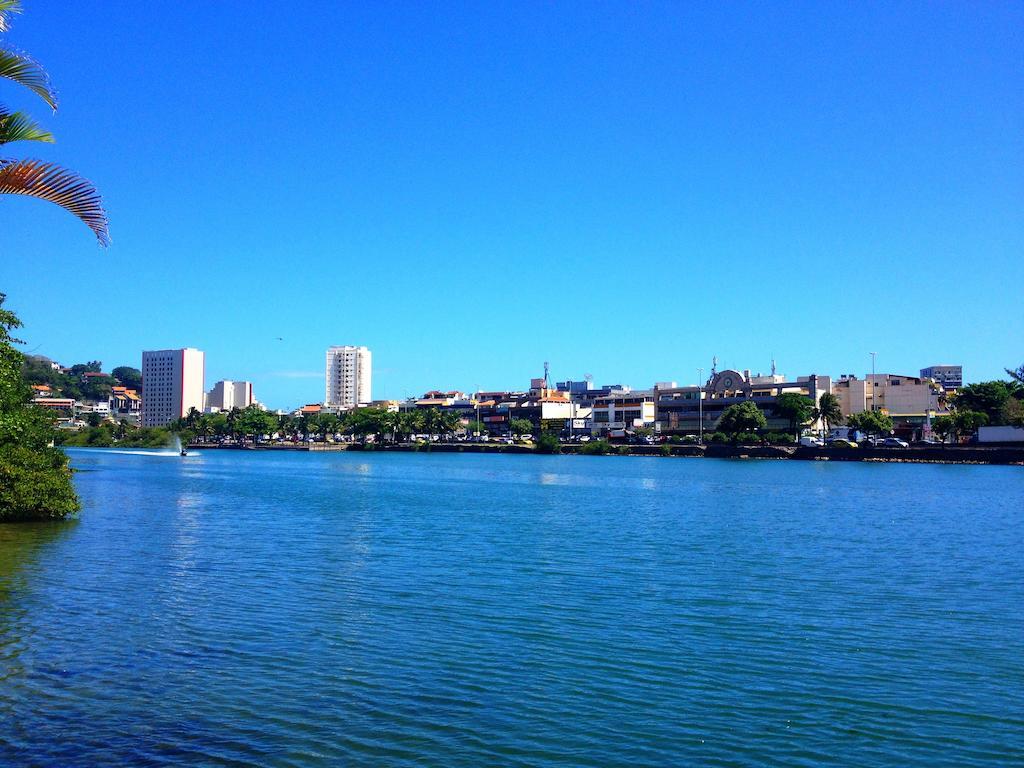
x,y
623,189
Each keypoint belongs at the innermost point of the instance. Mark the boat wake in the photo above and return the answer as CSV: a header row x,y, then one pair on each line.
x,y
143,452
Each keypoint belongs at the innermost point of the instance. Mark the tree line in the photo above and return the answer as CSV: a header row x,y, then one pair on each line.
x,y
254,424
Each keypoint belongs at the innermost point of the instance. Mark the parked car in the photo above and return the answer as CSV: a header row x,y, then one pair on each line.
x,y
840,443
809,441
526,438
895,442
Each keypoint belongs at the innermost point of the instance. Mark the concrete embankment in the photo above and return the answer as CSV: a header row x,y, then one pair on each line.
x,y
944,454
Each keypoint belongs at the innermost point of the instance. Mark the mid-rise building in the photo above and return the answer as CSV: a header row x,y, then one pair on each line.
x,y
951,377
348,377
228,394
910,402
172,384
618,413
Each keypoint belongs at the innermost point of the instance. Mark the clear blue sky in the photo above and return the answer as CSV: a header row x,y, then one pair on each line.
x,y
624,189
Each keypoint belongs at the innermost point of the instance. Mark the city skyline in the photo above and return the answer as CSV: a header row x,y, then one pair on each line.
x,y
521,380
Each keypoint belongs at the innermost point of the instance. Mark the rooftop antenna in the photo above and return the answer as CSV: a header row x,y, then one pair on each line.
x,y
773,365
714,365
545,374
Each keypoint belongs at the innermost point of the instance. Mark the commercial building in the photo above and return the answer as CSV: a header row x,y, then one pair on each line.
x,y
228,394
348,377
911,402
172,384
679,409
951,377
621,412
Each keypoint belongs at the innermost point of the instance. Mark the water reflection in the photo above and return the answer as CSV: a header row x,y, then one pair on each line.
x,y
20,546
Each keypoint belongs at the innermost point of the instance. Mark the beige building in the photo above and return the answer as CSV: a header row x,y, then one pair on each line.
x,y
901,397
227,394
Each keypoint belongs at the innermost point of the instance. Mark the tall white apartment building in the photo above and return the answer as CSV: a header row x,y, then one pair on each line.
x,y
172,384
227,394
348,377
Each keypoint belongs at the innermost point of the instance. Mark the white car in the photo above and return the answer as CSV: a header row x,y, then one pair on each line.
x,y
895,442
810,441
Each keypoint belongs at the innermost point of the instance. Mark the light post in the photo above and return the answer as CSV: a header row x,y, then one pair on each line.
x,y
700,405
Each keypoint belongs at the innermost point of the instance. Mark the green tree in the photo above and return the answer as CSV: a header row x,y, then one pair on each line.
x,y
968,422
433,421
330,425
987,397
828,411
1017,375
410,423
35,480
870,422
521,426
742,417
548,443
35,178
944,427
128,376
797,409
475,426
1013,412
219,425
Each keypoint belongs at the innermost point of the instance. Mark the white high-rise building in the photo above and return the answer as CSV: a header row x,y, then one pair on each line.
x,y
348,377
226,395
172,384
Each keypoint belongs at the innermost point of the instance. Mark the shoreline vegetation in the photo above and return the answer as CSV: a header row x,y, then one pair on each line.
x,y
937,454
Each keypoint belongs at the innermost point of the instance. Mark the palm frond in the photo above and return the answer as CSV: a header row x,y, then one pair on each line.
x,y
7,9
48,181
27,72
17,126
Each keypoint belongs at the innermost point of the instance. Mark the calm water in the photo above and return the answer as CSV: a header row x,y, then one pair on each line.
x,y
454,610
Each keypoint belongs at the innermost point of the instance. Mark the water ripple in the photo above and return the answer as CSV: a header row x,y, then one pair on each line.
x,y
413,610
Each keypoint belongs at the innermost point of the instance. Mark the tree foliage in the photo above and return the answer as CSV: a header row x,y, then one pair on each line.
x,y
35,178
521,426
828,410
35,480
989,398
797,409
870,422
742,417
128,376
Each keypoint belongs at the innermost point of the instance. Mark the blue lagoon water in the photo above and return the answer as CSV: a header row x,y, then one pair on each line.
x,y
244,608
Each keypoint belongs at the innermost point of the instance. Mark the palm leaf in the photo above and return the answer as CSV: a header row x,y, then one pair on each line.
x,y
8,8
48,181
27,72
17,126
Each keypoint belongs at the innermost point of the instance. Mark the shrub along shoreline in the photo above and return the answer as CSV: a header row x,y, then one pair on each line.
x,y
943,454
